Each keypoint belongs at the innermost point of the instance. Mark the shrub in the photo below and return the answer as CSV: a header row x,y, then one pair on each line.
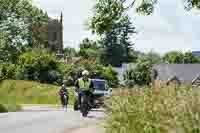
x,y
143,110
96,71
140,74
7,71
40,66
3,109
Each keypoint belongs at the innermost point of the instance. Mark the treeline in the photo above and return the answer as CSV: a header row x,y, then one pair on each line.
x,y
23,55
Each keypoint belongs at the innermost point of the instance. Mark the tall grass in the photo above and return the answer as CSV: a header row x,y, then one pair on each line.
x,y
28,92
143,110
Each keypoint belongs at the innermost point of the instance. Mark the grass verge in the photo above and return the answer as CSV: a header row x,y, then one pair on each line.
x,y
143,110
16,92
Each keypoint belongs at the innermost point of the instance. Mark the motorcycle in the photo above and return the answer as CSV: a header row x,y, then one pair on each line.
x,y
65,100
85,103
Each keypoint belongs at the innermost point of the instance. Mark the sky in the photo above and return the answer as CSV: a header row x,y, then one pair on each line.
x,y
170,27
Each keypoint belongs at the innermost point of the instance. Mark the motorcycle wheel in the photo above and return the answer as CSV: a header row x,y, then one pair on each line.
x,y
85,107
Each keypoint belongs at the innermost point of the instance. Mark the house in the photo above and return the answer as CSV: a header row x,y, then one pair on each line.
x,y
165,74
196,53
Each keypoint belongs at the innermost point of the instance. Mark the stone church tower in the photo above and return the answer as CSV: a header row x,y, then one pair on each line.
x,y
55,35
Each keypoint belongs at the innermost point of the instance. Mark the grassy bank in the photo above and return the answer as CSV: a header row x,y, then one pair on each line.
x,y
28,92
142,110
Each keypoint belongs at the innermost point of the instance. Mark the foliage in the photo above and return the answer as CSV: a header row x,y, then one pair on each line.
x,y
108,12
140,74
3,109
105,14
117,47
14,92
17,20
180,58
89,49
144,110
7,71
153,57
96,70
39,65
173,57
71,52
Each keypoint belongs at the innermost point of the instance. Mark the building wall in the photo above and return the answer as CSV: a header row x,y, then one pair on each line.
x,y
55,36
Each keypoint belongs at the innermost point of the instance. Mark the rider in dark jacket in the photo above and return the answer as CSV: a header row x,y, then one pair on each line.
x,y
63,92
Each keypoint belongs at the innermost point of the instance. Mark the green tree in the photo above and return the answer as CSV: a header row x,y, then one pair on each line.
x,y
116,44
173,57
140,74
108,12
39,65
89,49
113,52
189,58
154,57
70,52
127,30
17,21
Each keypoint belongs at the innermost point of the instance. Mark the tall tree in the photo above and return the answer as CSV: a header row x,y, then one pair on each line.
x,y
127,30
173,57
107,12
71,52
17,19
89,49
117,47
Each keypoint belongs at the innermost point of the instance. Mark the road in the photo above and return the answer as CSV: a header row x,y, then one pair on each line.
x,y
46,120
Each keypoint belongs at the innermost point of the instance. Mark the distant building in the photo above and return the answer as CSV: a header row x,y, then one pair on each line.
x,y
55,35
165,74
196,53
51,34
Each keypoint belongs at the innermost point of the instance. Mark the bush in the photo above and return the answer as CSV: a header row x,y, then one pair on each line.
x,y
96,71
40,66
140,74
142,110
7,71
3,109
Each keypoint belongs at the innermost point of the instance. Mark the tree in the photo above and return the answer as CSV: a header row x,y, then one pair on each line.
x,y
117,47
108,12
17,21
89,49
113,52
173,57
127,30
153,57
140,74
70,52
39,65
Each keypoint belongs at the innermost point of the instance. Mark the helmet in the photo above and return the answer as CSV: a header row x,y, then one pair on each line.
x,y
85,73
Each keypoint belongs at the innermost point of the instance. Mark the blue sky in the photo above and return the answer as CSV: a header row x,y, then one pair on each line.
x,y
170,27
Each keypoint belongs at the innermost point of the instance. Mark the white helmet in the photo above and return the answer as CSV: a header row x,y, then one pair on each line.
x,y
85,72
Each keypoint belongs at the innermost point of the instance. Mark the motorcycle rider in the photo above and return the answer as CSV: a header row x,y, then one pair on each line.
x,y
84,85
63,92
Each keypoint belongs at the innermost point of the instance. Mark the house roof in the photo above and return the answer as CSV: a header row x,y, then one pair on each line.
x,y
184,72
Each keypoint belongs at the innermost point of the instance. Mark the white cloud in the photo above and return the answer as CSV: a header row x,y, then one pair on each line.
x,y
169,28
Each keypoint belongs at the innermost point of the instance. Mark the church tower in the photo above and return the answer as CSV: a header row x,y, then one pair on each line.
x,y
55,35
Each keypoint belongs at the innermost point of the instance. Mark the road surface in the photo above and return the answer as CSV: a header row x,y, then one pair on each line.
x,y
46,120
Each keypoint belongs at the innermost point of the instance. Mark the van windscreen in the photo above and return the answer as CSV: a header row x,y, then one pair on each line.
x,y
99,85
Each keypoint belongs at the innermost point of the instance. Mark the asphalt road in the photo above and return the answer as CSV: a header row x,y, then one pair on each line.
x,y
46,120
